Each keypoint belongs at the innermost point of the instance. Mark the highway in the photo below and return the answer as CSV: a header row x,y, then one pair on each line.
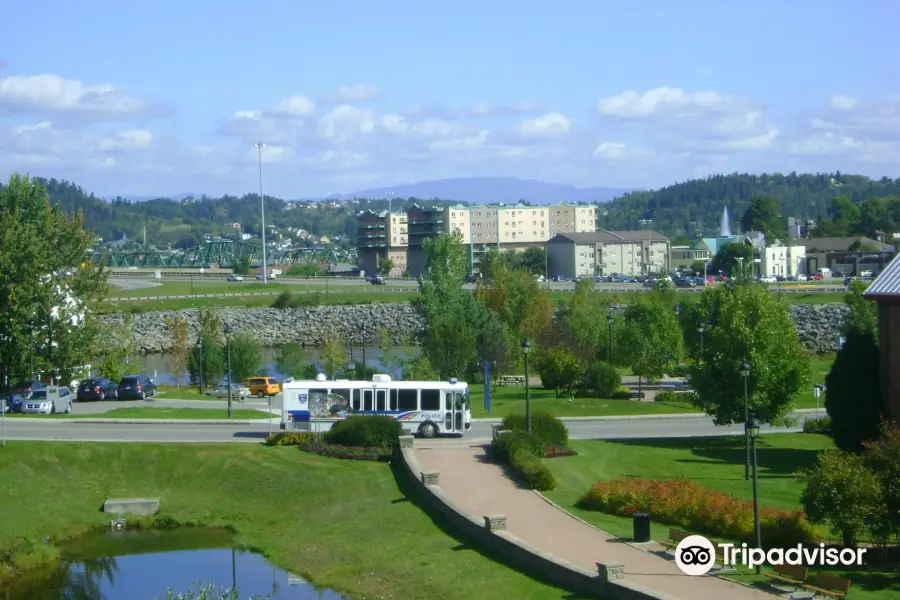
x,y
609,428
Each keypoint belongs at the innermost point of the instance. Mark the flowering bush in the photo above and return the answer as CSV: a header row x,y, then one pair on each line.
x,y
690,505
289,438
375,453
558,451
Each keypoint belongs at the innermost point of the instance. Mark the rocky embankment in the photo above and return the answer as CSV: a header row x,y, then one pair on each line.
x,y
817,325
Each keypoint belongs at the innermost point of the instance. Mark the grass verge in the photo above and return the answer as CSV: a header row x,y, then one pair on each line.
x,y
714,462
348,508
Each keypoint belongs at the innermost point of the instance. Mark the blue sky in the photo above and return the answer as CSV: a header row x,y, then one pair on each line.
x,y
168,97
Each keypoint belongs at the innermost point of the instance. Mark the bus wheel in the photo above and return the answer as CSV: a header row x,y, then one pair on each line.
x,y
428,430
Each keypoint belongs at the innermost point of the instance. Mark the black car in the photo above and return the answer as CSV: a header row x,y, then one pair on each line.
x,y
99,388
136,387
377,281
11,403
23,388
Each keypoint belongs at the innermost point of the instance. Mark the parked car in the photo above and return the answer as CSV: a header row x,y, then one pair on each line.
x,y
136,387
48,401
237,391
378,280
235,278
262,386
11,403
768,279
23,388
97,389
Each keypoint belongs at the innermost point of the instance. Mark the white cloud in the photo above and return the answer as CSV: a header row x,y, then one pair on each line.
x,y
661,101
610,150
293,108
345,122
551,125
360,92
842,102
132,139
831,144
48,93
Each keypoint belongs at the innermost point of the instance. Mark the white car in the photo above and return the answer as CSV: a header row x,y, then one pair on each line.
x,y
768,279
801,277
49,401
235,278
237,391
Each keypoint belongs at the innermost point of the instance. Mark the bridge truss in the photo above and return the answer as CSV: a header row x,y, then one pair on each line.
x,y
226,254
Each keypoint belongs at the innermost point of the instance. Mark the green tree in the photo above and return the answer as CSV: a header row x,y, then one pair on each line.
x,y
602,379
558,368
418,368
726,259
520,302
242,266
210,324
652,340
764,214
180,350
853,392
291,360
45,278
117,348
246,356
843,218
883,458
206,360
304,271
747,322
841,491
384,267
863,313
333,358
586,318
534,260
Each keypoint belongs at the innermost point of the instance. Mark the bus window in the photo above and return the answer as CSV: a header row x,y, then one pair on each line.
x,y
407,400
367,399
448,400
392,404
379,399
355,402
338,401
431,400
318,403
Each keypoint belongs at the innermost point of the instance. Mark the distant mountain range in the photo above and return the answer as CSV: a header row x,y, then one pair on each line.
x,y
481,190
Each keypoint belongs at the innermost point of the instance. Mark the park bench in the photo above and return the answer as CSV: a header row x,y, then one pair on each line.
x,y
511,379
675,537
828,585
720,560
794,575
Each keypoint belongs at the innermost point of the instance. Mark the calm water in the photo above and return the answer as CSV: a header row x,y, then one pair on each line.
x,y
143,565
159,366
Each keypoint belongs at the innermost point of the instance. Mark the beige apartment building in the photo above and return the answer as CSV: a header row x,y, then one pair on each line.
x,y
588,254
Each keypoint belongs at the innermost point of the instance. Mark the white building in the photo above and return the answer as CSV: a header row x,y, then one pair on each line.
x,y
781,260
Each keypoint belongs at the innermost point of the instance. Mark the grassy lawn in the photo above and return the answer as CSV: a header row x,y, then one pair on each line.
x,y
184,392
717,463
820,365
510,399
345,525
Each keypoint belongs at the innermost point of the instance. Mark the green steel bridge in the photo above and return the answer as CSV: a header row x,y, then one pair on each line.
x,y
225,254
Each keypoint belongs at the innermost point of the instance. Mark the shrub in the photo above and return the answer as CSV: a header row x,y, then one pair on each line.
x,y
503,446
667,396
289,438
372,431
558,451
820,425
284,300
621,394
536,474
545,427
372,453
602,379
681,370
690,505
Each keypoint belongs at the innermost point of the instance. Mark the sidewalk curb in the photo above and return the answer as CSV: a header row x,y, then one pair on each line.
x,y
101,421
492,421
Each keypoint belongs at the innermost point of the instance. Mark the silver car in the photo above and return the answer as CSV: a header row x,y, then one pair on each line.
x,y
48,401
237,391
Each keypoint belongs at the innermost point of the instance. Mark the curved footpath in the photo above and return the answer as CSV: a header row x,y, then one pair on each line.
x,y
482,488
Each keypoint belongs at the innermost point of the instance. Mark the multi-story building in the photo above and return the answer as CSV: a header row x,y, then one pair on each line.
x,y
381,235
508,227
578,254
685,256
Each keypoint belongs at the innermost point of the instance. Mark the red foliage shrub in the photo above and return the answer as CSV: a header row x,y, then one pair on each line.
x,y
690,505
558,451
347,452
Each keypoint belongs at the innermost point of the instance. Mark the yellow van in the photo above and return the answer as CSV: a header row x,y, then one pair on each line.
x,y
262,386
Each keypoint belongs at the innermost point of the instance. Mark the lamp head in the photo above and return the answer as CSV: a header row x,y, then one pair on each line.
x,y
701,328
227,329
751,427
745,369
526,346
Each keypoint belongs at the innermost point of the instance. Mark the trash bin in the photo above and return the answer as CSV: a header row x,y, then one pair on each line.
x,y
641,522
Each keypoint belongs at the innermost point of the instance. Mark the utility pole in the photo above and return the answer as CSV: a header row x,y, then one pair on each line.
x,y
262,204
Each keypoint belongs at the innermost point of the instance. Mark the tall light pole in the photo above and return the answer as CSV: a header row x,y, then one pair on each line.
x,y
526,347
200,360
365,370
701,329
389,196
751,432
228,367
740,259
745,373
610,319
262,205
31,350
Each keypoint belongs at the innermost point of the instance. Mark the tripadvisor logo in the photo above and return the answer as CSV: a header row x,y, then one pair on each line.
x,y
696,555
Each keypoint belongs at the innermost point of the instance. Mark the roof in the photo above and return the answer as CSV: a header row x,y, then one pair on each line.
x,y
843,244
610,237
887,284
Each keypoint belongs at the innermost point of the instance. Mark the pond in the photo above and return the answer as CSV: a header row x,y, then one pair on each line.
x,y
143,565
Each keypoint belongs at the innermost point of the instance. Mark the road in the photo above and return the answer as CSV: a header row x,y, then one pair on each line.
x,y
52,430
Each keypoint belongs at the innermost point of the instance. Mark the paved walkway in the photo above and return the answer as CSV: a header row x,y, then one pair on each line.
x,y
482,488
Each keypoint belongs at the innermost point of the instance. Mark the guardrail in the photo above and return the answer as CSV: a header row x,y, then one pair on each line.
x,y
248,294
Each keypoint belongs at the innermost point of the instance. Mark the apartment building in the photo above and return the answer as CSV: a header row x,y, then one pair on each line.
x,y
381,235
594,253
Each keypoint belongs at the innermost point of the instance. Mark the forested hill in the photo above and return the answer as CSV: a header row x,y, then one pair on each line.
x,y
694,208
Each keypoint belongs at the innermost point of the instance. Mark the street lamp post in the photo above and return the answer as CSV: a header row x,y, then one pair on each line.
x,y
365,374
740,260
228,367
262,205
609,322
526,347
818,390
31,350
745,374
701,329
751,431
200,360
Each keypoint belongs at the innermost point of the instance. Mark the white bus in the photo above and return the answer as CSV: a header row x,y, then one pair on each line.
x,y
426,408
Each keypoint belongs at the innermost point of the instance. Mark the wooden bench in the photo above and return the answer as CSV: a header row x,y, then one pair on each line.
x,y
794,575
828,585
511,379
675,537
720,560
